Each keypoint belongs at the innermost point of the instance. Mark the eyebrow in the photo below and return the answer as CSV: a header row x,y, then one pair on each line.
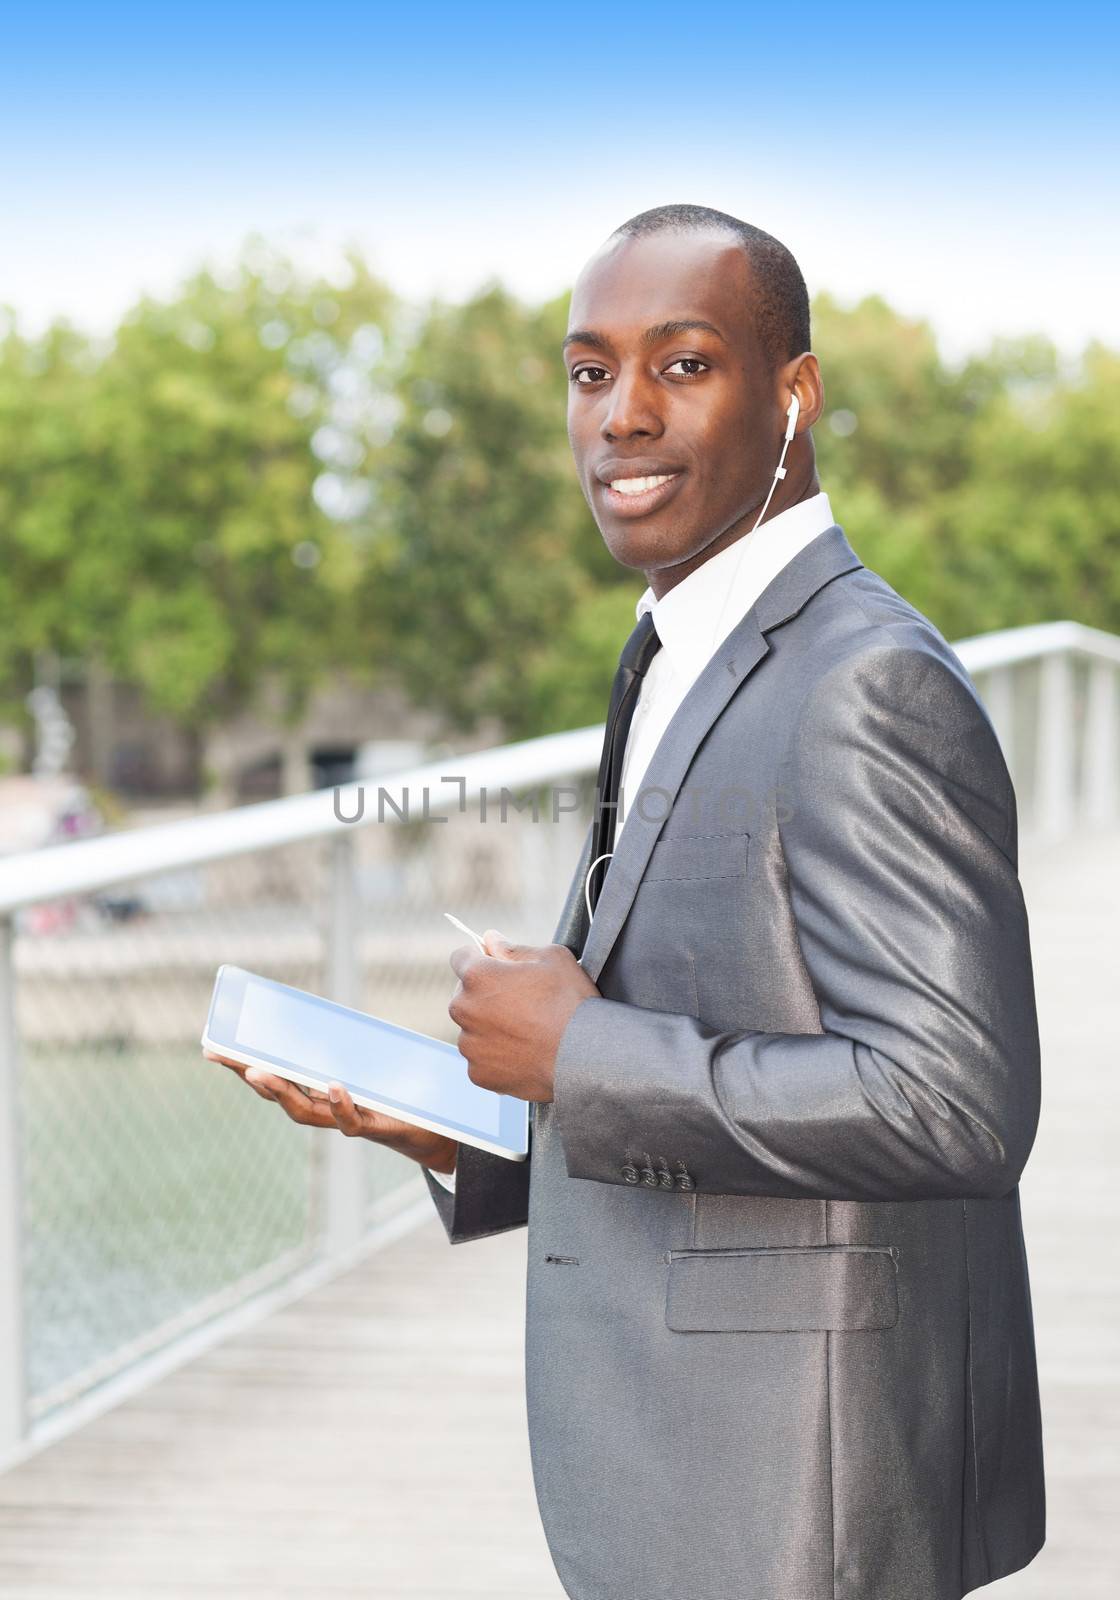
x,y
654,335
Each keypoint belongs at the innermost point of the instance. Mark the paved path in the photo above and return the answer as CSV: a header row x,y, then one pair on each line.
x,y
1071,1208
337,1448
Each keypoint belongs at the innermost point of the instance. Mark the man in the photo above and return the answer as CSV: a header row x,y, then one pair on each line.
x,y
779,1341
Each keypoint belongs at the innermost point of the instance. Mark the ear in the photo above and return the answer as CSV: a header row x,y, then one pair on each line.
x,y
802,377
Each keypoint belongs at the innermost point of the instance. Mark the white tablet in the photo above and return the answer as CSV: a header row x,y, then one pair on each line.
x,y
313,1041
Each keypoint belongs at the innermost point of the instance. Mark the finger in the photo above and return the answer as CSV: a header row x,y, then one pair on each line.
x,y
309,1111
259,1075
499,946
242,1072
341,1105
260,1081
274,1087
355,1119
237,1067
463,957
301,1088
226,1061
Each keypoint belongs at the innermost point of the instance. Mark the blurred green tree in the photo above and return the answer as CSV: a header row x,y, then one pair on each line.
x,y
1032,531
49,490
183,503
490,557
273,477
969,488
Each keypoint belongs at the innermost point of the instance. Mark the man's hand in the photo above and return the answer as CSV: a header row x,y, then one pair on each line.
x,y
511,1008
336,1109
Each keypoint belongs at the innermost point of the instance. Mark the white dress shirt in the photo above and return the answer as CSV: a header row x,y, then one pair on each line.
x,y
692,621
696,616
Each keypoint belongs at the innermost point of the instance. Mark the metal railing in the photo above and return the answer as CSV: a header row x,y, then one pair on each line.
x,y
143,1194
147,1202
1052,691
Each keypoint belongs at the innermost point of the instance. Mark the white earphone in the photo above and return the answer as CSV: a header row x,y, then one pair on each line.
x,y
793,411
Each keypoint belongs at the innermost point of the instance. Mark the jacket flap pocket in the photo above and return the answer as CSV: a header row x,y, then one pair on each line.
x,y
776,1290
698,855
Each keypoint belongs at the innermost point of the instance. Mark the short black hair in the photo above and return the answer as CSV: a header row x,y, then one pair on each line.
x,y
782,315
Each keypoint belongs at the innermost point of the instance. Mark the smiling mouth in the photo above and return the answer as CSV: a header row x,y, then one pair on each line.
x,y
639,485
634,497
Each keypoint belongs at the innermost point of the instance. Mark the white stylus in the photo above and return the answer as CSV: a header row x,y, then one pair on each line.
x,y
468,931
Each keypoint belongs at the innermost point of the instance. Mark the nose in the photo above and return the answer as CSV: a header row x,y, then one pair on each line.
x,y
632,409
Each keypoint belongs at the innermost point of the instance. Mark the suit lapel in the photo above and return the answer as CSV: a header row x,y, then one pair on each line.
x,y
823,558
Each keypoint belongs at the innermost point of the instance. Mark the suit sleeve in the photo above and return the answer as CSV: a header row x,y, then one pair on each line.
x,y
491,1193
923,1083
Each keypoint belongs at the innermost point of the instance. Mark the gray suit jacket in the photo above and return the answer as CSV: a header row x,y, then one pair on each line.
x,y
812,1375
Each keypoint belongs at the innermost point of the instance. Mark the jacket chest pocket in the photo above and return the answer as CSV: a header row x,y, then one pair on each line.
x,y
689,925
782,1290
697,858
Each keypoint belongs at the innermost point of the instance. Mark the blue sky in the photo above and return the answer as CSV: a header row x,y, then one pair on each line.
x,y
959,159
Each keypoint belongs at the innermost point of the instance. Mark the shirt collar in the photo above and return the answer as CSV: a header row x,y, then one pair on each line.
x,y
698,613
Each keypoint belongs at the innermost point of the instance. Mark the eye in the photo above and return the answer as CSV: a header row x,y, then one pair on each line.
x,y
688,361
587,372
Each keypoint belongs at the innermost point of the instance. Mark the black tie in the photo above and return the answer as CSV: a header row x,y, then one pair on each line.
x,y
637,653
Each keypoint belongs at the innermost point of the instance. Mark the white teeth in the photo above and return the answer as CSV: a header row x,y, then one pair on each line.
x,y
639,485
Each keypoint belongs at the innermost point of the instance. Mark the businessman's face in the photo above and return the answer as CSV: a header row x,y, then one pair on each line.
x,y
668,382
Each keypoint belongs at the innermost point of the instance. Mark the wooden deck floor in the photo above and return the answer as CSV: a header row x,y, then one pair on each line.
x,y
369,1391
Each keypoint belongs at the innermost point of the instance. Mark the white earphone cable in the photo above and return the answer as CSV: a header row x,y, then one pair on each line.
x,y
779,473
587,881
792,413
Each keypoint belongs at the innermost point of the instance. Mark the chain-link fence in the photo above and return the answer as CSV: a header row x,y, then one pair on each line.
x,y
156,1191
145,1190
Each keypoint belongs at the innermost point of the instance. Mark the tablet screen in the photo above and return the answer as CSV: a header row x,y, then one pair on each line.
x,y
397,1066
